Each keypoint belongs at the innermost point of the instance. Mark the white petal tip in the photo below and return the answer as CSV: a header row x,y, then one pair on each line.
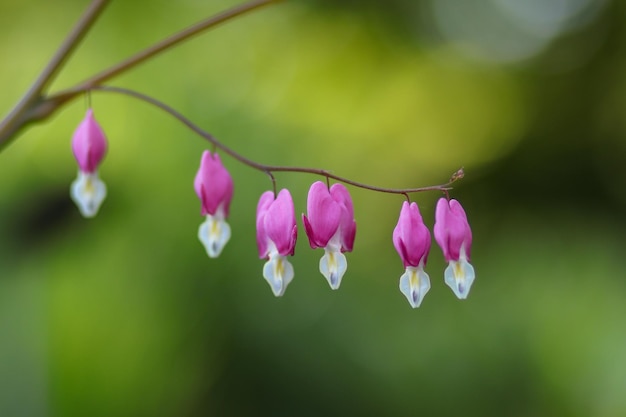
x,y
333,266
459,276
214,233
278,273
414,284
88,192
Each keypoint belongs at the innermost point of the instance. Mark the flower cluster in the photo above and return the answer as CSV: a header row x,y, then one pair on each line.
x,y
412,241
329,223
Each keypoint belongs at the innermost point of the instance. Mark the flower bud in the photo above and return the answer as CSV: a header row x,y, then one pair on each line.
x,y
89,146
214,187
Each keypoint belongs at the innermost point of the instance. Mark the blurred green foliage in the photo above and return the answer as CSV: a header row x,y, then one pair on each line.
x,y
124,315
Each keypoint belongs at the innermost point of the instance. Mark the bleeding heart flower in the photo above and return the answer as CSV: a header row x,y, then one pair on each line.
x,y
89,146
412,241
214,187
454,236
276,238
330,225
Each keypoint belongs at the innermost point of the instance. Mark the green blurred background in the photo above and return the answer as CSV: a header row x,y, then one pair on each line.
x,y
124,315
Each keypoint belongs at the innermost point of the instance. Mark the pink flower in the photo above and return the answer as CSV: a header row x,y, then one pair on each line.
x,y
214,187
276,238
454,236
330,225
412,241
89,146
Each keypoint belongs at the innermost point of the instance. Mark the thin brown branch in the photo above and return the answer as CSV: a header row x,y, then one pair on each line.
x,y
269,169
164,45
34,106
22,113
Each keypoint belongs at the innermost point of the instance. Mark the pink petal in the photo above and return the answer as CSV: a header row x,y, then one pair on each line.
x,y
348,234
262,240
324,215
452,231
213,185
89,144
280,223
411,237
308,229
459,213
340,194
403,222
347,224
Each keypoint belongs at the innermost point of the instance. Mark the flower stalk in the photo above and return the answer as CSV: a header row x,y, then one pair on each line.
x,y
270,169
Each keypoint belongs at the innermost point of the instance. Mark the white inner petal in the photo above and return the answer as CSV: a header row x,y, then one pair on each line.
x,y
459,276
214,233
278,272
333,265
414,284
88,192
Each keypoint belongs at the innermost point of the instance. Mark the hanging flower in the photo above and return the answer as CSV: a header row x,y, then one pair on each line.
x,y
330,225
276,238
89,146
411,239
214,187
454,236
